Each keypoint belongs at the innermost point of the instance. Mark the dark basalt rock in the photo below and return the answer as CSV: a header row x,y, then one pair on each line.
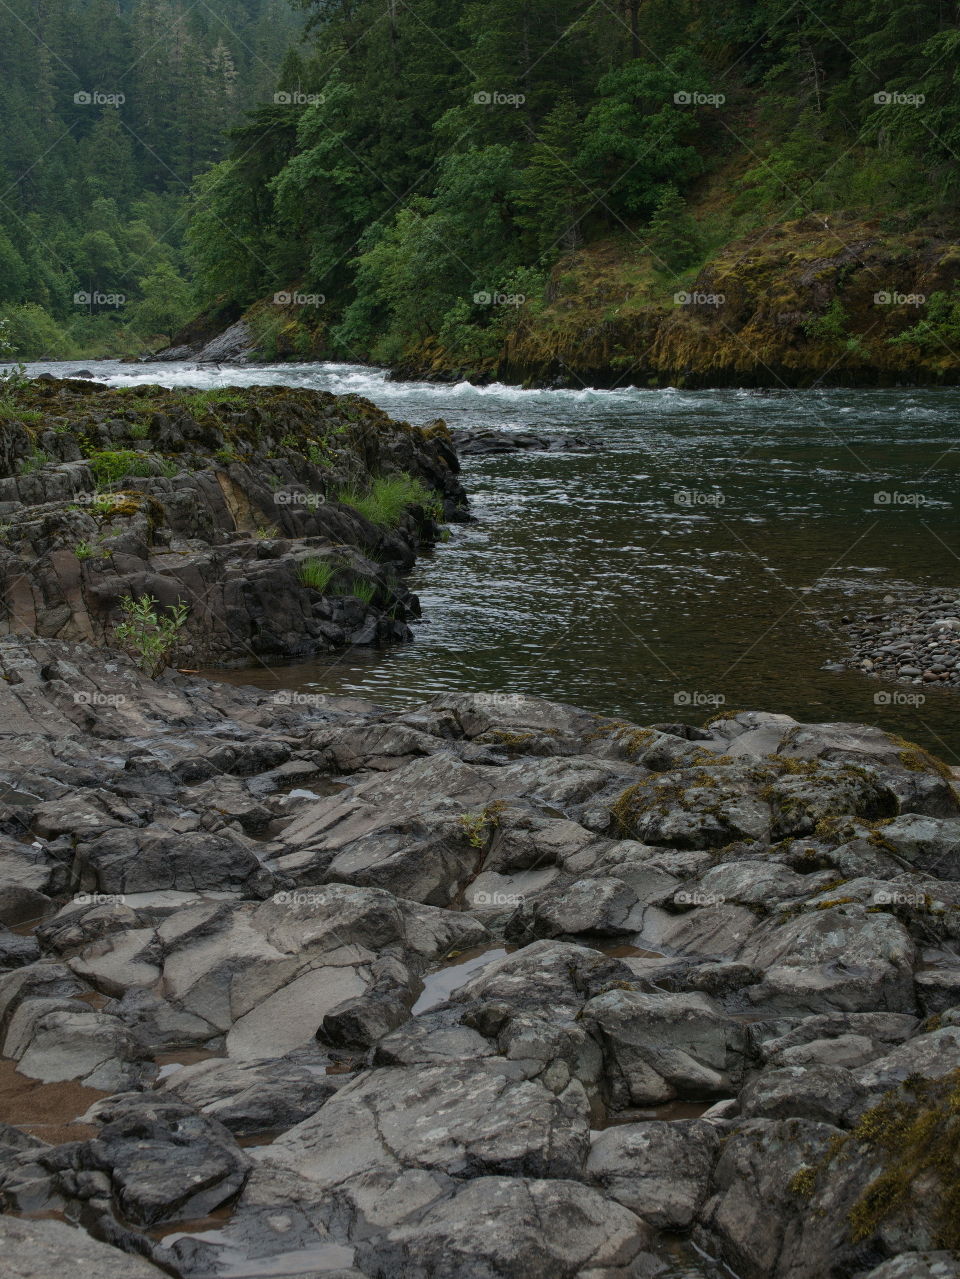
x,y
217,502
480,980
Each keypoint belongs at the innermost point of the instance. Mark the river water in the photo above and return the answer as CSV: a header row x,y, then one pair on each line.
x,y
701,557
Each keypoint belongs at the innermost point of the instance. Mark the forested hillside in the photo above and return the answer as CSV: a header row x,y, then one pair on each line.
x,y
519,187
109,110
469,177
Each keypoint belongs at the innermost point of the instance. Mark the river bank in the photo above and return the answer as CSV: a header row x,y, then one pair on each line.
x,y
827,301
296,984
710,974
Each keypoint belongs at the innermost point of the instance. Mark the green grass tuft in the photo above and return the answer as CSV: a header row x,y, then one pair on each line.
x,y
317,574
389,498
11,411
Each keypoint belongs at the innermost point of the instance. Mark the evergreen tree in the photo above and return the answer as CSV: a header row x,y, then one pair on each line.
x,y
554,194
674,237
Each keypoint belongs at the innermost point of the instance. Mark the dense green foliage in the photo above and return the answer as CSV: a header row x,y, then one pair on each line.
x,y
417,168
110,111
461,149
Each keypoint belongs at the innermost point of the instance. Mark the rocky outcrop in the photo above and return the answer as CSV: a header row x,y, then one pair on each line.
x,y
262,510
489,987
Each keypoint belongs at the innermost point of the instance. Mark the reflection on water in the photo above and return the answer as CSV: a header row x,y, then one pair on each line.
x,y
706,552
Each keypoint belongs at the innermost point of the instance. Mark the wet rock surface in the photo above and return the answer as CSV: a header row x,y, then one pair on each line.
x,y
481,443
489,987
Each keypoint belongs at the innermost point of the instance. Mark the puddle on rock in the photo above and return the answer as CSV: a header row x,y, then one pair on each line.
x,y
45,1110
170,1063
27,927
619,950
95,998
257,1139
439,985
230,1260
193,1228
686,1261
319,788
668,1110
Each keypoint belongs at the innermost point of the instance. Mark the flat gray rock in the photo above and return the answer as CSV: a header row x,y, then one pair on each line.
x,y
42,1249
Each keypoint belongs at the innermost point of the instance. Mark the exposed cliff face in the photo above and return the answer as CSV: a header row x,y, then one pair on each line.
x,y
817,300
226,500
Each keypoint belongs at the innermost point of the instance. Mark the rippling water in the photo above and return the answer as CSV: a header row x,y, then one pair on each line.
x,y
704,552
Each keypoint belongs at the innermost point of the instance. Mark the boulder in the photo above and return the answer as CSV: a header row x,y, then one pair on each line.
x,y
660,1170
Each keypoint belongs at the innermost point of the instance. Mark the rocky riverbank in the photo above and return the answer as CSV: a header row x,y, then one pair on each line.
x,y
915,639
817,301
285,520
490,987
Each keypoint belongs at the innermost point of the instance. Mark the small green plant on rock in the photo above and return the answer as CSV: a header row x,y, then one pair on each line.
x,y
149,632
389,498
317,574
110,466
34,463
11,411
83,550
202,401
477,826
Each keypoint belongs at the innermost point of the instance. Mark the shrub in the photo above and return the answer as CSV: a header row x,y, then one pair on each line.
x,y
151,634
10,411
361,589
110,466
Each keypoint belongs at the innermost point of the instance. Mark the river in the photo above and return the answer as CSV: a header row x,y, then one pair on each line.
x,y
701,557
